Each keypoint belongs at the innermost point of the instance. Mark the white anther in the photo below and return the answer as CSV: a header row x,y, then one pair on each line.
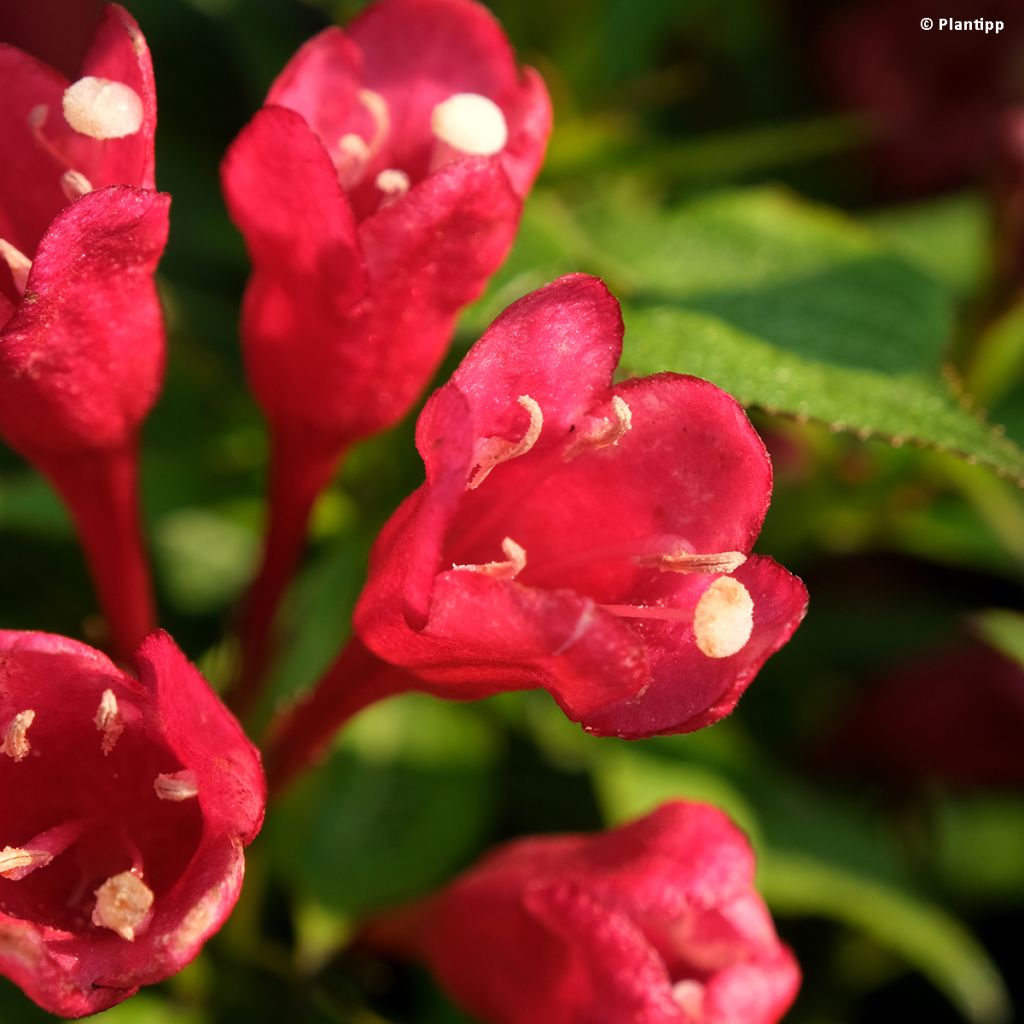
x,y
18,263
353,156
689,995
74,185
176,786
123,903
493,451
103,109
16,745
684,561
16,863
470,123
514,564
724,618
603,432
109,721
393,183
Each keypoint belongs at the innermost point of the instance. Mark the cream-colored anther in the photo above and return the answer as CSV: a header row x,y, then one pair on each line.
x,y
102,109
377,107
109,721
176,786
18,263
685,561
509,569
16,863
690,996
724,618
123,903
493,451
74,185
470,123
394,183
353,156
603,432
16,745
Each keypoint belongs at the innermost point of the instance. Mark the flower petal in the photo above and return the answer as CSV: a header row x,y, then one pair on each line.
x,y
82,358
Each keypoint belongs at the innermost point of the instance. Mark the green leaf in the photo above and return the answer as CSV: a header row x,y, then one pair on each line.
x,y
791,307
401,803
922,934
1004,630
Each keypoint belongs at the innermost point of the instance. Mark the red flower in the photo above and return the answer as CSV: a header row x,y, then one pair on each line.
x,y
377,191
656,922
81,342
589,539
956,716
126,804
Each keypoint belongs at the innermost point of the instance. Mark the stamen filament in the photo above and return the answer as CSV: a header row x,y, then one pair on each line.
x,y
18,263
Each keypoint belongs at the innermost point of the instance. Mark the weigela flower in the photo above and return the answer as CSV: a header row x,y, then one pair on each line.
x,y
590,539
377,190
126,804
955,716
656,922
82,342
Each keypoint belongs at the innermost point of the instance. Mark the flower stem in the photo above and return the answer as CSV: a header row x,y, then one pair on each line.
x,y
100,490
299,736
301,468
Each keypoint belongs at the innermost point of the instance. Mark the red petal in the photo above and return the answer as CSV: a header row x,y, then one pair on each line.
x,y
688,689
418,53
82,358
119,52
303,340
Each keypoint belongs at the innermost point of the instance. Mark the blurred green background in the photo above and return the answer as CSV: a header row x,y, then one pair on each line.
x,y
702,165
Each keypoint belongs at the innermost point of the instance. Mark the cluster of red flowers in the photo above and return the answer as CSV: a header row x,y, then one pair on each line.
x,y
589,538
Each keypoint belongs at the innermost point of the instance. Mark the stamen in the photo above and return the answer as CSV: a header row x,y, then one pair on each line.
x,y
690,996
493,451
377,107
16,863
604,431
37,116
74,184
16,745
18,262
393,183
724,618
109,721
123,904
470,123
514,564
177,786
353,156
102,109
684,561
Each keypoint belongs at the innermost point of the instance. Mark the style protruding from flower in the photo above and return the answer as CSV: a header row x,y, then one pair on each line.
x,y
655,922
81,334
377,190
590,539
126,802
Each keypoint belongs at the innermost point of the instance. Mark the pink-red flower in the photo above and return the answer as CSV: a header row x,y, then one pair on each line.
x,y
955,716
377,190
656,922
588,538
583,537
126,802
81,334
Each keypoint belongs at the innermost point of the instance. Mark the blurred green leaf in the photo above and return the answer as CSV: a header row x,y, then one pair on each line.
x,y
1003,629
400,804
791,307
